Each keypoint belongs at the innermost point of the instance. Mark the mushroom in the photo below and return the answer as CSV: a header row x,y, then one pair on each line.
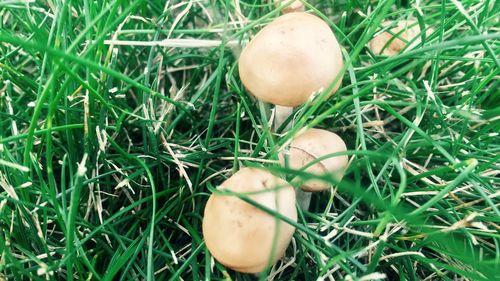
x,y
391,43
311,145
291,58
289,6
241,236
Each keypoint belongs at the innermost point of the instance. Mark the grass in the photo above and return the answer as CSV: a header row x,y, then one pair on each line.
x,y
113,134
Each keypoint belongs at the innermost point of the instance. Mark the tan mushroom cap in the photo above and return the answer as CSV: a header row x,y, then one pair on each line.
x,y
294,6
403,32
239,235
311,145
291,58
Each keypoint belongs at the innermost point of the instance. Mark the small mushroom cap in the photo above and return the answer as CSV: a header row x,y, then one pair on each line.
x,y
291,58
239,235
403,32
311,145
294,6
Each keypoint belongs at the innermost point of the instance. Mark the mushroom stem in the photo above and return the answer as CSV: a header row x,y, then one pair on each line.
x,y
303,198
281,114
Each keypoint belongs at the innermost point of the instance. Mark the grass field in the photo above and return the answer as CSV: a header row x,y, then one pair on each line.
x,y
113,132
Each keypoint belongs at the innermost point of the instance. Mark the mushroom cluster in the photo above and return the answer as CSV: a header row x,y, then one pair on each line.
x,y
285,64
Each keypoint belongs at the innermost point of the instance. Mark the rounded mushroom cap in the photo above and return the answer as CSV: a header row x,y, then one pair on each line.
x,y
311,145
291,58
404,32
295,6
239,235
